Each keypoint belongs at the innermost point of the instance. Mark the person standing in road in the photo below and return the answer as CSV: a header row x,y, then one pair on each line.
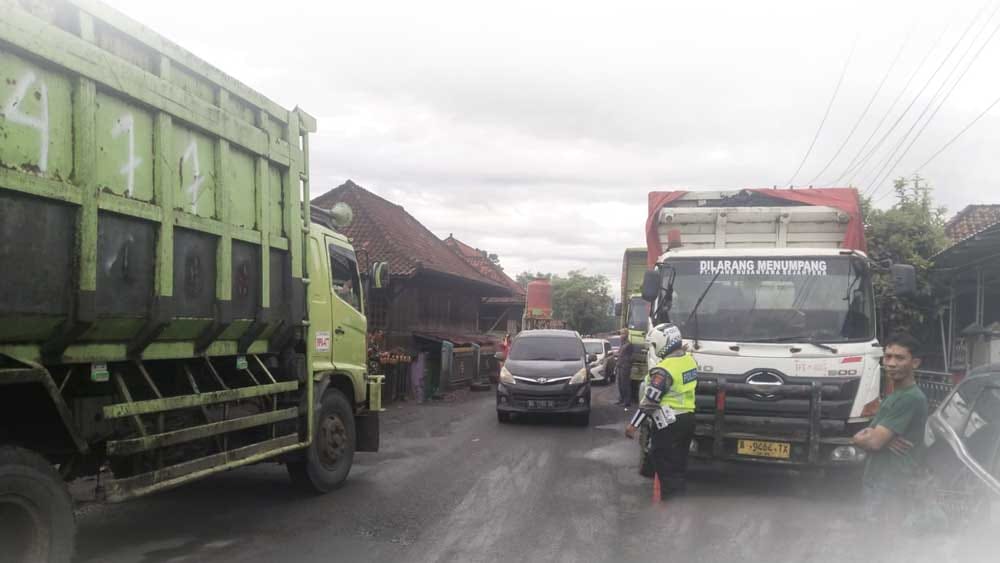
x,y
669,398
894,439
623,370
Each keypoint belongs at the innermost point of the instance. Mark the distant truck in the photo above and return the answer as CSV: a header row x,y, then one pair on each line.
x,y
774,294
633,310
538,307
170,306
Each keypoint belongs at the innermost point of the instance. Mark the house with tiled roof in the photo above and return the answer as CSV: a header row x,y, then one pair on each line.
x,y
432,306
971,221
970,270
497,315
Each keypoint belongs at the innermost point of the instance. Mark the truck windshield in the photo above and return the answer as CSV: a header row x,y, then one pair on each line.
x,y
825,299
638,314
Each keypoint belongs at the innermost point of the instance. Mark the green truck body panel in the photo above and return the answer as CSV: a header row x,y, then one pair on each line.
x,y
170,185
633,269
153,238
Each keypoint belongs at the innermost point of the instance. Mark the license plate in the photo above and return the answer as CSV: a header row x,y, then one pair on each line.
x,y
536,404
759,448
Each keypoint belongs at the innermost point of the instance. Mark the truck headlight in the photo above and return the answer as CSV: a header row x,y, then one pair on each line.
x,y
579,377
506,377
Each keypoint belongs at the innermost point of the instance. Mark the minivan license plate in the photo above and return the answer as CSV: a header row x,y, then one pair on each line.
x,y
537,404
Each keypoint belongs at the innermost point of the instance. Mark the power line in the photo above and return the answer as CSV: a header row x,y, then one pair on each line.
x,y
877,183
865,111
827,113
960,133
851,168
920,93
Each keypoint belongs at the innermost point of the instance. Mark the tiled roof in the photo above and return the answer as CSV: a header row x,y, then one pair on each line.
x,y
388,233
479,259
971,221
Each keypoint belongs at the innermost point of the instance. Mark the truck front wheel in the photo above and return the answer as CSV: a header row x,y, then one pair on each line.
x,y
36,510
327,461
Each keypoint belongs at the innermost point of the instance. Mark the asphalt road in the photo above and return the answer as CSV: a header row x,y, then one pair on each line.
x,y
451,484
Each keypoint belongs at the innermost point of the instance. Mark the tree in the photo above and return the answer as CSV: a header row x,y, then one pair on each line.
x,y
909,232
582,301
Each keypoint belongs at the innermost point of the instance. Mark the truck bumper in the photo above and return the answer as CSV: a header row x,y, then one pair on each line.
x,y
809,441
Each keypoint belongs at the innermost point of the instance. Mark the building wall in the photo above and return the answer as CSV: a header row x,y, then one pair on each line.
x,y
425,307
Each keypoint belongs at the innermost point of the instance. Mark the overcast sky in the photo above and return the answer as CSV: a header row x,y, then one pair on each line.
x,y
535,129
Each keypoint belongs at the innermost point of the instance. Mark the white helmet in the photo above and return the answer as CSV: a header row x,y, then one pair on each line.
x,y
664,339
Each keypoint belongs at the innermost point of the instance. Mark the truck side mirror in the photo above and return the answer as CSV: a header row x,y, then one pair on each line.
x,y
591,358
618,309
380,275
904,279
650,286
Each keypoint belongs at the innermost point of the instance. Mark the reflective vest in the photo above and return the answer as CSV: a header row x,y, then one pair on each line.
x,y
683,372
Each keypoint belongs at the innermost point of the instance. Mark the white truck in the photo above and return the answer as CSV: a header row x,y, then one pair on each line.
x,y
774,294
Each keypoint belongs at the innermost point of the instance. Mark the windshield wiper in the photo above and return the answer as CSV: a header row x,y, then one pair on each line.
x,y
799,338
694,312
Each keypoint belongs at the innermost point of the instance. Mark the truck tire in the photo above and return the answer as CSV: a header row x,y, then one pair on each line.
x,y
645,461
327,461
36,510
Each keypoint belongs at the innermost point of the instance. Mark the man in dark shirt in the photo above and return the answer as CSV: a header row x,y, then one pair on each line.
x,y
894,439
623,370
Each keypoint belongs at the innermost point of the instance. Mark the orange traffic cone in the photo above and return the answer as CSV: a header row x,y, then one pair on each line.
x,y
656,488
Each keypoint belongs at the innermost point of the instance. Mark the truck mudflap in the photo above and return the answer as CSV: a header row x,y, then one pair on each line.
x,y
800,441
367,422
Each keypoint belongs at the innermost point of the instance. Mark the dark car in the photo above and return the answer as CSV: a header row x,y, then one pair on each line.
x,y
963,439
546,372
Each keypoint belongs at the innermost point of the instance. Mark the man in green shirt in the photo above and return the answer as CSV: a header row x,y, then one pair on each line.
x,y
894,439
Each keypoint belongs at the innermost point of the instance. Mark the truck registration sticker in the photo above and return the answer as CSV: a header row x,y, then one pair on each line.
x,y
322,341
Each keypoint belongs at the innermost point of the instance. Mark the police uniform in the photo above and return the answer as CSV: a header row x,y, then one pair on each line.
x,y
670,389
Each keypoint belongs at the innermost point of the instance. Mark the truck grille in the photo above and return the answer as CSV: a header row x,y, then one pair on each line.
x,y
837,398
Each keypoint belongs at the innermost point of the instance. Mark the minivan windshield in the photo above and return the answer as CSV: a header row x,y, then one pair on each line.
x,y
551,348
596,347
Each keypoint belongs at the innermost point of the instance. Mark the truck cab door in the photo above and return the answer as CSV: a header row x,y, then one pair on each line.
x,y
348,324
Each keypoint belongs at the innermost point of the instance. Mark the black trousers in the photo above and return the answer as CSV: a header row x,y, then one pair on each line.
x,y
670,448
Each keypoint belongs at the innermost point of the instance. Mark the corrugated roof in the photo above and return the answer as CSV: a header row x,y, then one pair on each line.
x,y
388,233
480,260
972,220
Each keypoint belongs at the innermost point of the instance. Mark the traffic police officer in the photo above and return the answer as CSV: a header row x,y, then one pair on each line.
x,y
669,400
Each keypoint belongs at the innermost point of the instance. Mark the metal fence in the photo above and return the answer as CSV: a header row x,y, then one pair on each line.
x,y
935,384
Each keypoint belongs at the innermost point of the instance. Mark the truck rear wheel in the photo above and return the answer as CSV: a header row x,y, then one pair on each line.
x,y
36,510
327,461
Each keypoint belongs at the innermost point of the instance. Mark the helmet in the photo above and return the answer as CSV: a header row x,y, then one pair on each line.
x,y
664,339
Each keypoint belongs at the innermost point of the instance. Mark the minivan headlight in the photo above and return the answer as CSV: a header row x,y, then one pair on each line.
x,y
506,377
579,377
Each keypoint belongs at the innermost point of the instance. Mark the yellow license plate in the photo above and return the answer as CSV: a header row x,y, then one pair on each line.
x,y
759,448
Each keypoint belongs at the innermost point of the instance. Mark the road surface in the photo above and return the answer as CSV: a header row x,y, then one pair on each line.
x,y
451,484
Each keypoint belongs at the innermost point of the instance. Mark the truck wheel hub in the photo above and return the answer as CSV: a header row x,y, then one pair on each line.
x,y
22,534
333,440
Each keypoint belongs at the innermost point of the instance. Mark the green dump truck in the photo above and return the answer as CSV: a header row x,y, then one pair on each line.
x,y
634,313
170,306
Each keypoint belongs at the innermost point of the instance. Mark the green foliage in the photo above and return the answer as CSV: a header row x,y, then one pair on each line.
x,y
583,302
909,232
